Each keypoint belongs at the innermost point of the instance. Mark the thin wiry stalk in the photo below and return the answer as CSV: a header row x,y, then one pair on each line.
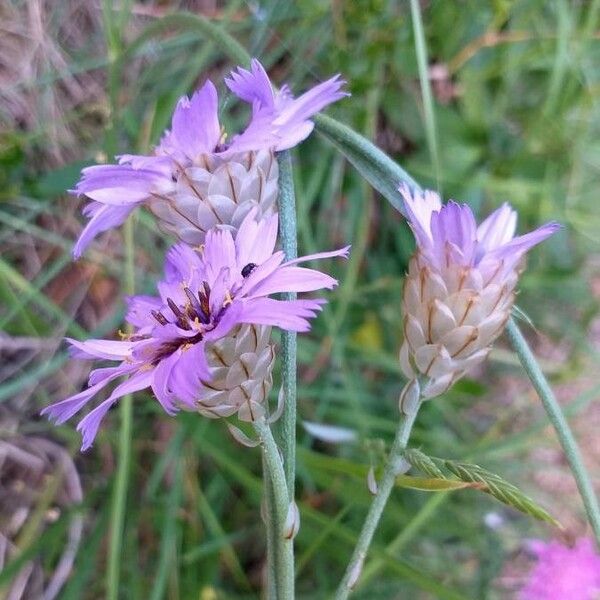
x,y
560,424
288,234
283,544
113,24
119,500
385,486
429,114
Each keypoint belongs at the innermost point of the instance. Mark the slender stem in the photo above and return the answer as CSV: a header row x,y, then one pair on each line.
x,y
287,224
385,487
269,500
560,424
119,499
422,64
113,34
282,541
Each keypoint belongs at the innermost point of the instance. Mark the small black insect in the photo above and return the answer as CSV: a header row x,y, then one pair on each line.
x,y
247,270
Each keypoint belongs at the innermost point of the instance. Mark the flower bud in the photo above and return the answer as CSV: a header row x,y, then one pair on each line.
x,y
459,290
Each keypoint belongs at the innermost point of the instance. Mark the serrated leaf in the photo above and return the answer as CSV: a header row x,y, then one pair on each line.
x,y
426,484
499,488
423,463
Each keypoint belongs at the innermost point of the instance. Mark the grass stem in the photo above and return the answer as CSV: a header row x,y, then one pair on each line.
x,y
384,489
283,543
560,424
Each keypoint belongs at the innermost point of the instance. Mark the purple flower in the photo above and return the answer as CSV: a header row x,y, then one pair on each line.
x,y
447,235
460,287
563,573
196,144
204,298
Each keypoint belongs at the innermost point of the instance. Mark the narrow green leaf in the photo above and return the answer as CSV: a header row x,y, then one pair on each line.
x,y
371,162
426,484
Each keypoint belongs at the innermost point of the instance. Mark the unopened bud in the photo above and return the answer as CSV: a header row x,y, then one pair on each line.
x,y
372,482
292,522
410,397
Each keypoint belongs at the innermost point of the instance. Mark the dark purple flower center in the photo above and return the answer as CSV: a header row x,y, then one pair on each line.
x,y
196,310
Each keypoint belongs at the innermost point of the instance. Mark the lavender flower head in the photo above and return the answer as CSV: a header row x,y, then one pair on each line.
x,y
195,181
563,573
460,287
203,343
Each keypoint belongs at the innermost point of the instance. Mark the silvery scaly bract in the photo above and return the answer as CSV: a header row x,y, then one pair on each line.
x,y
459,289
196,180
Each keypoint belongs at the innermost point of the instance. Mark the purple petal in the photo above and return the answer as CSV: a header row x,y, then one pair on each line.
x,y
498,229
104,217
419,208
180,262
252,86
89,425
262,272
160,381
186,374
342,252
256,238
108,349
139,310
59,412
278,121
118,184
229,319
195,128
292,279
512,252
454,224
218,253
311,102
291,315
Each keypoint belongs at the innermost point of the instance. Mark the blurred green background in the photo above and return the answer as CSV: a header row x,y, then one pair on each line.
x,y
516,90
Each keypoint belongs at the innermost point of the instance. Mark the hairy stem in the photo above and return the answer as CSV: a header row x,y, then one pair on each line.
x,y
283,545
560,424
287,224
385,486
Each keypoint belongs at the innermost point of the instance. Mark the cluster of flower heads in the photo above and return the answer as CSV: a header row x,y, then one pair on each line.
x,y
459,290
202,343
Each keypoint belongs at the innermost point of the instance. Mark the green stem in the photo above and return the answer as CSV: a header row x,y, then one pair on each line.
x,y
560,424
119,499
287,224
422,64
385,487
113,35
283,544
269,500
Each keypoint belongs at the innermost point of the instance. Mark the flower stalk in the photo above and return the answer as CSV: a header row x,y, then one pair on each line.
x,y
560,424
287,224
283,544
393,467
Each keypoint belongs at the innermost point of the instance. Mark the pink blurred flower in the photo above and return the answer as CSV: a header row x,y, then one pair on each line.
x,y
564,573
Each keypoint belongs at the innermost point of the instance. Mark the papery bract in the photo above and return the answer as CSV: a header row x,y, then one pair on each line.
x,y
203,343
195,181
460,287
